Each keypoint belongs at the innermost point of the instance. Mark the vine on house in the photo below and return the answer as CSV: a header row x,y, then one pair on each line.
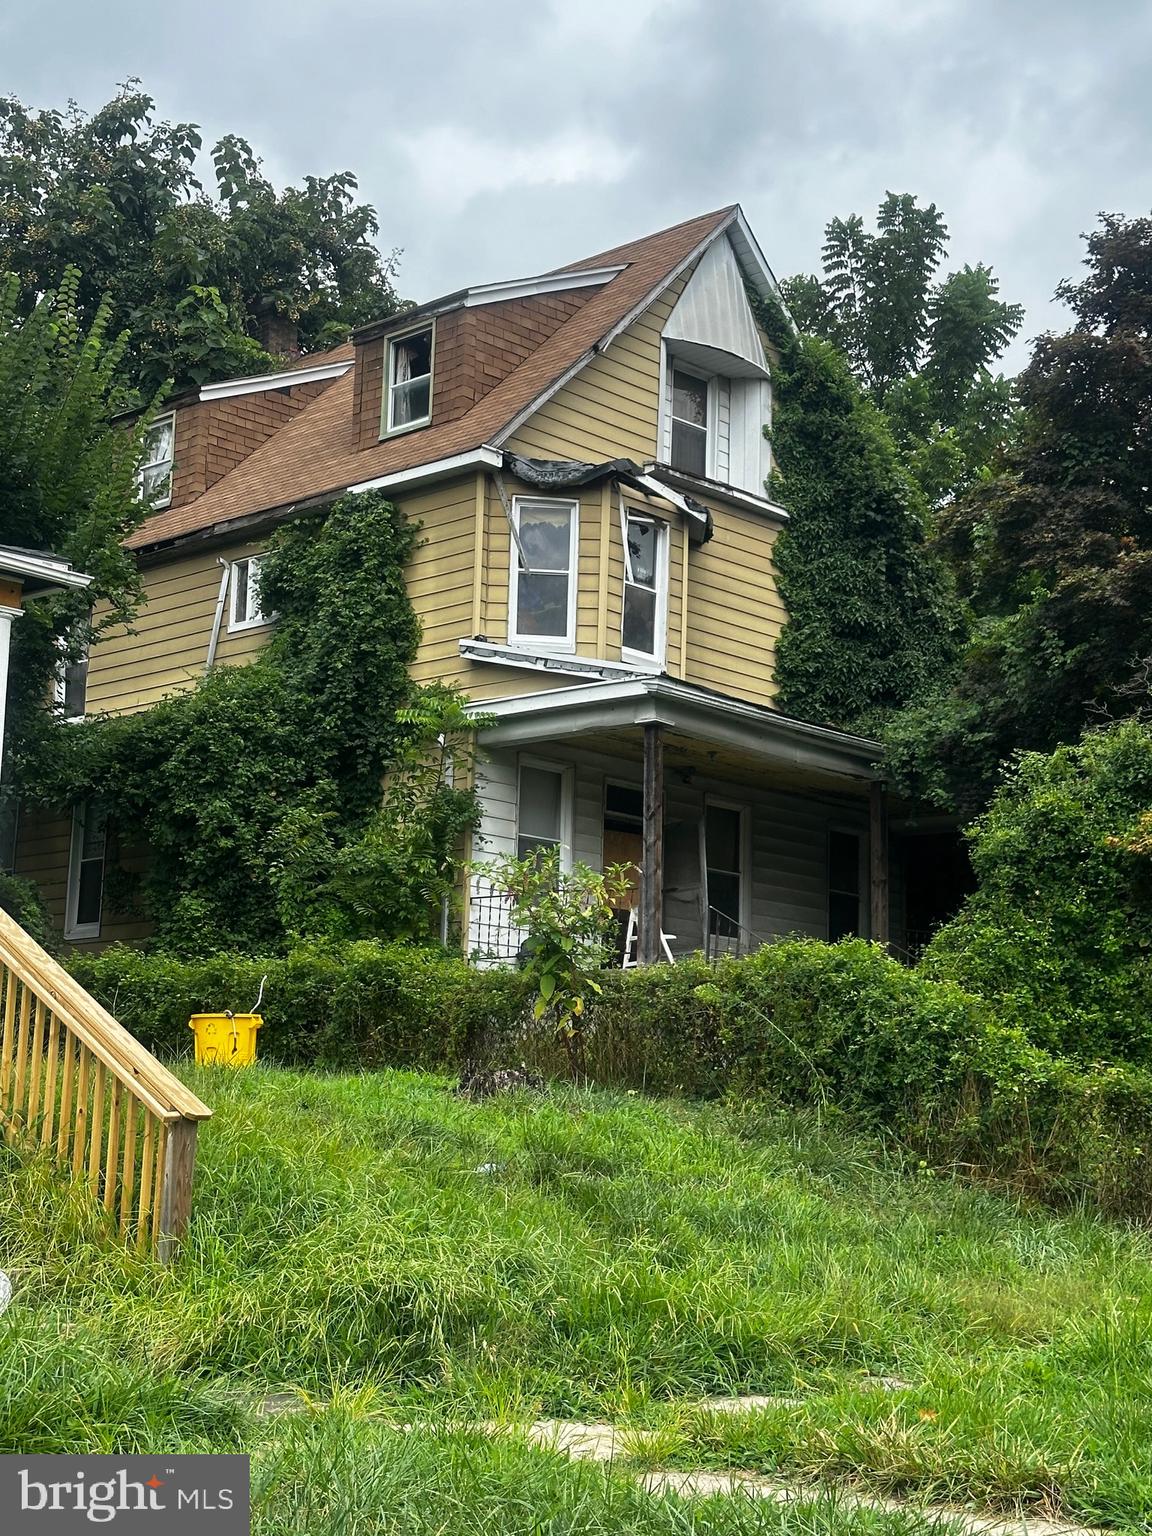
x,y
312,792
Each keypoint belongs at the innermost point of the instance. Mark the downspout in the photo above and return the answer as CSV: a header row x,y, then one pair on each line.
x,y
219,616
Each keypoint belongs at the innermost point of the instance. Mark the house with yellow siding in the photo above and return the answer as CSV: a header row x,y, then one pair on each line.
x,y
586,454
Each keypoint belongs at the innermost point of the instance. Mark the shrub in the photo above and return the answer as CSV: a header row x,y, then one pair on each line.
x,y
842,1026
1058,935
365,1003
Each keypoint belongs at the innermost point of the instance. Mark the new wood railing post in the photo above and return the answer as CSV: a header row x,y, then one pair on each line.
x,y
176,1191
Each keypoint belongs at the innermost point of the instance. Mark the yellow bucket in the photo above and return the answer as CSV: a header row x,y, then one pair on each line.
x,y
225,1039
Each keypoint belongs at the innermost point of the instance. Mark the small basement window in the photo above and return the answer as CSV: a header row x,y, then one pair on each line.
x,y
245,611
689,423
155,475
409,402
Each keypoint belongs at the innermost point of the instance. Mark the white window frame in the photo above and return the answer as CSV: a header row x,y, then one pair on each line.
x,y
256,619
672,366
745,813
567,776
842,829
145,464
60,681
72,928
565,643
655,657
388,429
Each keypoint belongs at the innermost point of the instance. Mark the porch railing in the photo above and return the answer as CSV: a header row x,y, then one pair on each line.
x,y
76,1086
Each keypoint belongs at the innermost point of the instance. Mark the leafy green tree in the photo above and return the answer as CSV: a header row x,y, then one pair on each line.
x,y
923,348
1058,934
67,480
1054,555
195,278
871,618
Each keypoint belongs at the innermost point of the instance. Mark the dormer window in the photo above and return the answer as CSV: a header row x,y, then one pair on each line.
x,y
689,423
155,473
409,394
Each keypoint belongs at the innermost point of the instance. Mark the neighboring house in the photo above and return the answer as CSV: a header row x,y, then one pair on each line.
x,y
585,452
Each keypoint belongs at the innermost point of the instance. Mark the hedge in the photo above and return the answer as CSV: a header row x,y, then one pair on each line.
x,y
842,1027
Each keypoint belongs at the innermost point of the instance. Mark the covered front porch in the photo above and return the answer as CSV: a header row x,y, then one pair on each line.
x,y
743,825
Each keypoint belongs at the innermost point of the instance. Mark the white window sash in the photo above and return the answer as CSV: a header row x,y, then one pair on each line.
x,y
166,461
660,588
567,641
246,568
73,928
566,775
397,360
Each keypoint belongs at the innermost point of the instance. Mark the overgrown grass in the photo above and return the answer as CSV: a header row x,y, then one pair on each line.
x,y
586,1254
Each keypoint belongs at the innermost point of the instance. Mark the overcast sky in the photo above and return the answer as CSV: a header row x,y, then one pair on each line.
x,y
501,138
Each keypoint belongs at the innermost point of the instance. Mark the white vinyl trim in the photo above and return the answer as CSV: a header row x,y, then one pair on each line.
x,y
476,458
262,381
529,287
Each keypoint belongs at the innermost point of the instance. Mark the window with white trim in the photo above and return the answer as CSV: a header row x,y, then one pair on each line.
x,y
70,679
245,611
155,474
845,854
725,871
540,807
645,587
85,896
690,424
409,393
542,601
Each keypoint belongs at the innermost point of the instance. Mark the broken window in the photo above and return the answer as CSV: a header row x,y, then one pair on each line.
x,y
644,578
155,474
410,380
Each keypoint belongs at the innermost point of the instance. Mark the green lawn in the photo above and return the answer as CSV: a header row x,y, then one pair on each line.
x,y
399,1255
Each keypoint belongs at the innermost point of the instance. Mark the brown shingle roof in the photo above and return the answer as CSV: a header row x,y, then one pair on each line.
x,y
316,452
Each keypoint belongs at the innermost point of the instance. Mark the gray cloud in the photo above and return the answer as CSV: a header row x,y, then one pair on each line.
x,y
504,138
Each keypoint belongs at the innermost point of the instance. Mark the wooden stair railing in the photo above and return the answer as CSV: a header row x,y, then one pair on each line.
x,y
77,1086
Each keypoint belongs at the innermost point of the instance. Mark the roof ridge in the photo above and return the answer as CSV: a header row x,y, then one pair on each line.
x,y
605,257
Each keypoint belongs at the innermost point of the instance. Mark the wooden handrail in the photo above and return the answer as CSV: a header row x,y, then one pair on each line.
x,y
77,1086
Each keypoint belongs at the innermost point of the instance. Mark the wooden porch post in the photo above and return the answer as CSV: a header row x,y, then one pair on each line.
x,y
878,860
652,872
176,1188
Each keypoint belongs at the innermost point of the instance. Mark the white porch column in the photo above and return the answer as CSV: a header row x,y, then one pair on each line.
x,y
9,594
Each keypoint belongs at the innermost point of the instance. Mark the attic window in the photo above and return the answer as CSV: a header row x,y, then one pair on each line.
x,y
409,401
155,473
689,423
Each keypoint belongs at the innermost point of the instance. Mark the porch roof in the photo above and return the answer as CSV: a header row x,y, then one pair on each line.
x,y
597,708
